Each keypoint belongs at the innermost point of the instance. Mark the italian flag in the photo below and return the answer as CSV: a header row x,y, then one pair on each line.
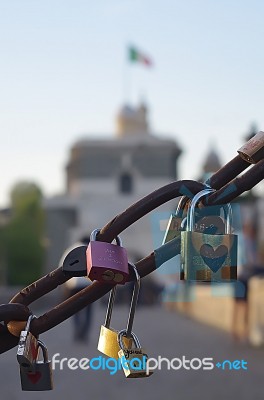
x,y
137,56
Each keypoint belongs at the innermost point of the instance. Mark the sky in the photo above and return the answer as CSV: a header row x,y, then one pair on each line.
x,y
64,74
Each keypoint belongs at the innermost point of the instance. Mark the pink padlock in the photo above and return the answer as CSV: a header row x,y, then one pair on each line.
x,y
106,262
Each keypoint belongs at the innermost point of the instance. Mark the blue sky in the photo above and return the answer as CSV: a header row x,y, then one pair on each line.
x,y
63,75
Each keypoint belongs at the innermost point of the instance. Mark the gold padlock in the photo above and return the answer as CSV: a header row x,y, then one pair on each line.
x,y
133,360
107,343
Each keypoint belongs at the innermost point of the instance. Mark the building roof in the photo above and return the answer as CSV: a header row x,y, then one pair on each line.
x,y
212,162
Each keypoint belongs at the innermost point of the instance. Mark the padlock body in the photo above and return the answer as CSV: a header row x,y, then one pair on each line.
x,y
134,362
27,351
108,344
209,258
107,262
39,380
173,229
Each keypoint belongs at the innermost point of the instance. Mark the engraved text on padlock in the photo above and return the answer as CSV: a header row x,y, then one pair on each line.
x,y
107,262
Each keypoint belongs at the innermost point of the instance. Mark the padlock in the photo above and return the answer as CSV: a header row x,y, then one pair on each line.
x,y
208,257
74,264
41,379
133,360
27,351
173,229
107,343
253,150
106,262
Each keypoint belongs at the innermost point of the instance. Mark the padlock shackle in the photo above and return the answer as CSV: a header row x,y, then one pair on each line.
x,y
180,208
191,211
134,337
110,306
29,322
44,351
94,234
96,231
134,301
181,205
133,305
228,217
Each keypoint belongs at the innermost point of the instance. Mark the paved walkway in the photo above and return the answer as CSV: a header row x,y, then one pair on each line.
x,y
161,333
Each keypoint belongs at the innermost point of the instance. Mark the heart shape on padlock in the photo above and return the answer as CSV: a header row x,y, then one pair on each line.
x,y
214,258
34,377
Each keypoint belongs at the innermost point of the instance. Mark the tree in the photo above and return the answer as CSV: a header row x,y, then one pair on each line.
x,y
24,235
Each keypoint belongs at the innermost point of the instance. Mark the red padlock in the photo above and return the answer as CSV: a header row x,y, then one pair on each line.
x,y
106,262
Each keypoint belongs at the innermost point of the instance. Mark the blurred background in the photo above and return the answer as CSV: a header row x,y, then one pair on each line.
x,y
100,104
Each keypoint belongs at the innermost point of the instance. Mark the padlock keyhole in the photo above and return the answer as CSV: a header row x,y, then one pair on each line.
x,y
74,262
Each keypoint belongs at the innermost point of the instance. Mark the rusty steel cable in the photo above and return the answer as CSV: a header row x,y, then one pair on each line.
x,y
238,185
13,311
229,188
230,171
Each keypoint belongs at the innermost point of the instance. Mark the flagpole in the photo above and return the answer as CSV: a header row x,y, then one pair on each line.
x,y
126,78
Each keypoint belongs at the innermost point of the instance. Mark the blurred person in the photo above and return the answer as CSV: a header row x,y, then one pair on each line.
x,y
248,267
81,320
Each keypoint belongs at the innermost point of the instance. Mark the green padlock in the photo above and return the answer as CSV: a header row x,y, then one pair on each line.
x,y
208,257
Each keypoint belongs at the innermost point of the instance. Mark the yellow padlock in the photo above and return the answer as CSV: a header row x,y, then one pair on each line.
x,y
107,343
133,360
